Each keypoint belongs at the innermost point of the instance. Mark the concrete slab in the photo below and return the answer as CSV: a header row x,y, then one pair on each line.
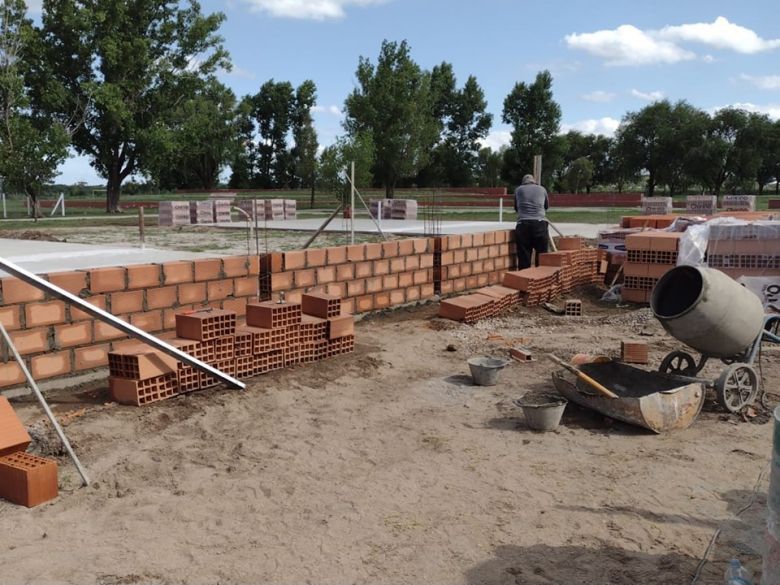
x,y
415,227
44,257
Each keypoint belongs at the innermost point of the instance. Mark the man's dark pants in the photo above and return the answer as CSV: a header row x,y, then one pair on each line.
x,y
530,234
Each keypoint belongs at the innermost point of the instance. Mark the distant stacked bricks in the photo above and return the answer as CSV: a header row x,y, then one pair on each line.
x,y
276,335
25,479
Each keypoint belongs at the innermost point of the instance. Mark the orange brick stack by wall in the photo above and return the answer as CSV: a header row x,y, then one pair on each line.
x,y
649,255
57,339
367,277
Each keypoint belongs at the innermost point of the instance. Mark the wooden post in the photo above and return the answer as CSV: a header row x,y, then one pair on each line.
x,y
141,226
538,169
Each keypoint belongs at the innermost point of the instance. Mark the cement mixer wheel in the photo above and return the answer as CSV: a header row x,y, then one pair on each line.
x,y
679,363
737,387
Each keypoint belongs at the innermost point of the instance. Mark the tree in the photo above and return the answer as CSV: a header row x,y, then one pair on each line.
x,y
273,111
32,145
393,103
535,119
578,175
202,138
124,66
489,167
305,147
770,165
336,160
660,140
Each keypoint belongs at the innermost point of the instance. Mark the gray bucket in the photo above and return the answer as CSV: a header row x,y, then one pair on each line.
x,y
484,370
542,410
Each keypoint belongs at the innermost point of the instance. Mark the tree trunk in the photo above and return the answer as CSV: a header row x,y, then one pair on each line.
x,y
651,185
311,201
389,186
113,191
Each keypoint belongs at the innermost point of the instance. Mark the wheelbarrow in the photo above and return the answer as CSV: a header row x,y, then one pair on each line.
x,y
720,319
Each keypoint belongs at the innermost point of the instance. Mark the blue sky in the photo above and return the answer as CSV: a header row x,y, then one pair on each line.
x,y
606,57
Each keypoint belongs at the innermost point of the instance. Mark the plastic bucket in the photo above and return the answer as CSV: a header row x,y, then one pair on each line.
x,y
484,370
542,411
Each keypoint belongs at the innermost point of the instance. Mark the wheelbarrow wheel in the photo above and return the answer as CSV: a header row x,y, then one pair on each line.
x,y
679,363
737,387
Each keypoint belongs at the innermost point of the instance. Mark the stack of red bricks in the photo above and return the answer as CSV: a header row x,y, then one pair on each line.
x,y
486,302
276,335
468,261
649,255
366,276
745,250
25,479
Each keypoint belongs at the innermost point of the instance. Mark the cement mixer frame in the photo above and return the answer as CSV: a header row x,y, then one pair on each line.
x,y
738,384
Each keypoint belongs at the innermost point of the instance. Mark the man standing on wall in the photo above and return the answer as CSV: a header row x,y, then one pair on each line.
x,y
531,233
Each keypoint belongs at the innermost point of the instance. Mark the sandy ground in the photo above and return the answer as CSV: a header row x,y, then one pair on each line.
x,y
388,466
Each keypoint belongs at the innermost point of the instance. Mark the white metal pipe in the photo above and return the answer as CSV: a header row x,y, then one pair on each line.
x,y
124,327
44,405
501,210
352,203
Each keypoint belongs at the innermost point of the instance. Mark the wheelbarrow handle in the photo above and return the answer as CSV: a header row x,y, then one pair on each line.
x,y
583,376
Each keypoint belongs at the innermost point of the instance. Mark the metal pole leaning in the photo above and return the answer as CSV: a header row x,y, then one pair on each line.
x,y
124,327
44,405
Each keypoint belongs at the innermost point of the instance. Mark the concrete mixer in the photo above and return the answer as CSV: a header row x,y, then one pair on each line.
x,y
719,318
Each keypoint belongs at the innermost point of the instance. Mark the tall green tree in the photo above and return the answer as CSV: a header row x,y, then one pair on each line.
x,y
769,169
660,141
124,66
393,103
32,145
489,164
535,119
336,161
203,138
305,145
273,113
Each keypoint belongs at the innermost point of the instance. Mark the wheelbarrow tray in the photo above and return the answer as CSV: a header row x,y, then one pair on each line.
x,y
652,400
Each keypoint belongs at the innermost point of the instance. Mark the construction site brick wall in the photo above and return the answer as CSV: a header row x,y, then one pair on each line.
x,y
56,339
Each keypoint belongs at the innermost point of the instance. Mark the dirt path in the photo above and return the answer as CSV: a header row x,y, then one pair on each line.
x,y
387,466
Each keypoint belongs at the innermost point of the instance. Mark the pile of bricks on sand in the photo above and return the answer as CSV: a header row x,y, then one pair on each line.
x,y
25,479
559,272
276,335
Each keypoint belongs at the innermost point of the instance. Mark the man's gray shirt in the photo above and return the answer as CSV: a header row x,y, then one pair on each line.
x,y
530,201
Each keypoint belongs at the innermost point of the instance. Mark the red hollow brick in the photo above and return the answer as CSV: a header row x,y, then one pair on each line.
x,y
10,374
397,297
30,341
356,252
304,278
281,281
75,334
253,266
390,249
348,305
10,317
374,284
336,255
381,300
336,289
397,265
273,262
50,364
316,257
478,239
426,261
381,267
326,274
104,331
421,277
356,288
245,287
238,306
161,298
107,279
373,251
412,262
208,269
412,293
143,276
27,480
149,321
177,272
390,282
37,314
405,247
363,269
94,356
466,240
364,303
73,282
405,279
345,272
421,245
218,290
235,266
15,291
192,293
294,260
77,314
127,302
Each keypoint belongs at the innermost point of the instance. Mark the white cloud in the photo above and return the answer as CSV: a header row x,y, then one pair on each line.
x,y
720,34
496,139
307,9
771,110
605,126
762,81
599,95
627,45
648,96
335,110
